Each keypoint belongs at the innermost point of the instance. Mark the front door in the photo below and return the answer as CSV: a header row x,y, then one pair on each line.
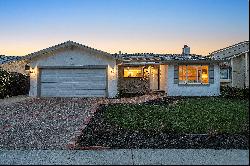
x,y
154,78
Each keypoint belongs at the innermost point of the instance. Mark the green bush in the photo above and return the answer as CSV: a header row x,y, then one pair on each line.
x,y
13,84
232,92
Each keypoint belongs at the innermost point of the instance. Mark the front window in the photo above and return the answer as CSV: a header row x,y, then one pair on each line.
x,y
133,72
193,74
224,74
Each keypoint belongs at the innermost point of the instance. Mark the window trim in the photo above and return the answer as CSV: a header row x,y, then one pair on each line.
x,y
195,83
228,79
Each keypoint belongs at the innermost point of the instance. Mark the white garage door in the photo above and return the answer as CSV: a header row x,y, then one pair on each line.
x,y
73,82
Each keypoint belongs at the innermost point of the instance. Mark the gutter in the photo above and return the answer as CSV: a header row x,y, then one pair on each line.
x,y
173,61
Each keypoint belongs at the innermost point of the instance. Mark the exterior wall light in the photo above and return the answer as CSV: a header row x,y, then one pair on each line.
x,y
27,67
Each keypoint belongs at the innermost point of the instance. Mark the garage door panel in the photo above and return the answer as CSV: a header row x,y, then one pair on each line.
x,y
72,94
79,71
90,80
79,79
72,79
69,71
88,71
73,82
48,72
95,86
49,79
76,86
82,92
88,75
64,86
48,85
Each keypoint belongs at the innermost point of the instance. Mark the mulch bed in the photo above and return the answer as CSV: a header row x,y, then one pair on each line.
x,y
100,133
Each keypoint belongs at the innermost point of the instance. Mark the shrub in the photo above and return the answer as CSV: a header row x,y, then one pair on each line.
x,y
13,84
122,94
232,92
4,81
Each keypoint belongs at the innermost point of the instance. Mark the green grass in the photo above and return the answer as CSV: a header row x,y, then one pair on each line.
x,y
191,115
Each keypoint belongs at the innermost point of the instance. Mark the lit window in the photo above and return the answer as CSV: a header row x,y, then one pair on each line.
x,y
132,72
189,74
224,74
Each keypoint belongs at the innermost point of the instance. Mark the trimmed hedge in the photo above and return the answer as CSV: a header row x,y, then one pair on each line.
x,y
13,84
122,94
232,92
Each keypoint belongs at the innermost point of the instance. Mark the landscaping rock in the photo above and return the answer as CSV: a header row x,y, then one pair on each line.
x,y
45,123
49,123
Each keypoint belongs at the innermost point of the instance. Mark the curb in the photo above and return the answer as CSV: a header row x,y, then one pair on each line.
x,y
93,148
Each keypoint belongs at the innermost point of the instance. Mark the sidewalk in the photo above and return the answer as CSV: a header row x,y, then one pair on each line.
x,y
126,157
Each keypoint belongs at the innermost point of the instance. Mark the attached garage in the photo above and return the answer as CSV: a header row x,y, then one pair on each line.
x,y
72,70
73,82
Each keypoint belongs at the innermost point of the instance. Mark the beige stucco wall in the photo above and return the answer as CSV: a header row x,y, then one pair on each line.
x,y
74,58
16,66
240,71
247,69
34,73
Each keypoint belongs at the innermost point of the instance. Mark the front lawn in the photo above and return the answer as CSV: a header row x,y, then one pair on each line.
x,y
191,115
206,122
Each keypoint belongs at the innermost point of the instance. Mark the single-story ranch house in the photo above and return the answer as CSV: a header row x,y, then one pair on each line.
x,y
71,69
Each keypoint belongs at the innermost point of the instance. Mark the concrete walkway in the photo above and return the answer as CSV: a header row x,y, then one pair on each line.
x,y
126,157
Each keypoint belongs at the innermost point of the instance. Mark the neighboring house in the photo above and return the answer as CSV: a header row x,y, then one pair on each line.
x,y
71,69
13,64
7,59
235,72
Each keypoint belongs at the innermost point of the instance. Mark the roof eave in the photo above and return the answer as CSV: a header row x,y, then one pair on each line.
x,y
175,61
67,44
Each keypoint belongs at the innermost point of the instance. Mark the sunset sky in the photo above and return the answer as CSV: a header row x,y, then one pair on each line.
x,y
157,26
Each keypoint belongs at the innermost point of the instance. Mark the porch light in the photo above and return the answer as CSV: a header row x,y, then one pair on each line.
x,y
27,67
112,71
32,71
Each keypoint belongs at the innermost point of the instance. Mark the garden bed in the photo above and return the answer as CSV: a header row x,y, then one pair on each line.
x,y
165,124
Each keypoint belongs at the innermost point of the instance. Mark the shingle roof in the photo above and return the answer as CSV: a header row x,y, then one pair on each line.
x,y
7,59
65,45
229,47
138,57
150,57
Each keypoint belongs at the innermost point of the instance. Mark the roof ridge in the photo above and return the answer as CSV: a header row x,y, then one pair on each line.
x,y
66,43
